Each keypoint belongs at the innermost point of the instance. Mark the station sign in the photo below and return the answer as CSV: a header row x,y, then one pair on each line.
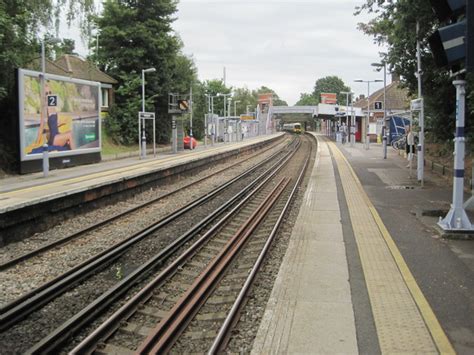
x,y
328,98
52,100
247,117
416,105
147,115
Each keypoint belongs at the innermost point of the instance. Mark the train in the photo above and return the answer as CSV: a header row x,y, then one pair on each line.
x,y
292,127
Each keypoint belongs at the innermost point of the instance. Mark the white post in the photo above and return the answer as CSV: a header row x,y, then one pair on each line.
x,y
213,133
421,138
457,219
352,124
367,138
143,138
385,129
44,114
191,119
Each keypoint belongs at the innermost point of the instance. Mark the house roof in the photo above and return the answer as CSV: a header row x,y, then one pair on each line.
x,y
396,98
50,66
83,69
73,67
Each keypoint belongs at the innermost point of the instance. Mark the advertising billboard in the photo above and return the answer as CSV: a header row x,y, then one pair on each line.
x,y
72,122
328,98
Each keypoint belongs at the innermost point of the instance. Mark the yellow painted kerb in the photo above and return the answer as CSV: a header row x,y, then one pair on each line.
x,y
439,337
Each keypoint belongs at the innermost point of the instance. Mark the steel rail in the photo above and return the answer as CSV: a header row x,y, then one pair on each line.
x,y
60,334
168,329
28,303
89,344
9,263
218,346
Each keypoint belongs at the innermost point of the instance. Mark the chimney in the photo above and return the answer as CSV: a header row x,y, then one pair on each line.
x,y
361,97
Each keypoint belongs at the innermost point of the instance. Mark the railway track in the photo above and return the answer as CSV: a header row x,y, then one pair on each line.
x,y
112,291
192,305
14,261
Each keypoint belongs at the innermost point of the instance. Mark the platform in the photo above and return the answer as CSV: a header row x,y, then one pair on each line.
x,y
27,198
372,275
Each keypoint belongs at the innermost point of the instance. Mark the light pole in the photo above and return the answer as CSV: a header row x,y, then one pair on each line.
x,y
384,127
421,117
368,106
348,93
141,132
235,107
43,117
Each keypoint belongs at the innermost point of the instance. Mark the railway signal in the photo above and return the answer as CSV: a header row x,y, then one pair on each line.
x,y
452,45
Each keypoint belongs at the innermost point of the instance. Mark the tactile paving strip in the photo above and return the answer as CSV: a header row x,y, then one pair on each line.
x,y
401,327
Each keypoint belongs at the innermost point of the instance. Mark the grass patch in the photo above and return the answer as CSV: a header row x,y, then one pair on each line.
x,y
110,148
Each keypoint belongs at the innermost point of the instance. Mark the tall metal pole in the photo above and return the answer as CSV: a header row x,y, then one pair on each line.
x,y
43,115
421,137
385,130
213,133
191,118
143,137
352,124
457,219
367,138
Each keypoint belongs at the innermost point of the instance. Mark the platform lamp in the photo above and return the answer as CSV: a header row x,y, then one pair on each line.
x,y
44,117
348,94
379,66
368,106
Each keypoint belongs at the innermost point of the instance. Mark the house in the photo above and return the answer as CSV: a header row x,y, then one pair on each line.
x,y
78,68
396,99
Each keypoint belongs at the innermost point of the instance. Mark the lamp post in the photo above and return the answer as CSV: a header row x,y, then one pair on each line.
x,y
348,93
43,117
141,132
384,127
368,106
235,107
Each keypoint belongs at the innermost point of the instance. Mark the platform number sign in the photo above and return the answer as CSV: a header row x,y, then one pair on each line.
x,y
52,100
378,105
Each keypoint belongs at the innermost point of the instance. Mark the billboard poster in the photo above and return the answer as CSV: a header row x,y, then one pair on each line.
x,y
328,98
72,122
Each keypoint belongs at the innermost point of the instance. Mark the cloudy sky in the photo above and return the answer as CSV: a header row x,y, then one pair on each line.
x,y
285,45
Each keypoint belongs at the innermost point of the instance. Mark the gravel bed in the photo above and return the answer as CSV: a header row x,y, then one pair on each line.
x,y
49,265
245,331
42,323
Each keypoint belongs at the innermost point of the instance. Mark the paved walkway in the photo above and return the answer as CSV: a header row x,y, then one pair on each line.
x,y
24,190
315,304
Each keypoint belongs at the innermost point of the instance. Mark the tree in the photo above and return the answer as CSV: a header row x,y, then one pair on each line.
x,y
330,84
395,26
19,45
246,99
66,46
307,100
147,40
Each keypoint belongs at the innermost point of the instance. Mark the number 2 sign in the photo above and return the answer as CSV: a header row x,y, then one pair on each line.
x,y
52,100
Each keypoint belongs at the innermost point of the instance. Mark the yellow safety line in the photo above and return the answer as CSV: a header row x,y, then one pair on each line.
x,y
439,336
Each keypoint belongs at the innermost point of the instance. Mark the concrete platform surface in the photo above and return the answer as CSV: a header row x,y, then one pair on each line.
x,y
373,275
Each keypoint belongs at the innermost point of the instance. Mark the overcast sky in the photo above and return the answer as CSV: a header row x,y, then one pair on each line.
x,y
285,45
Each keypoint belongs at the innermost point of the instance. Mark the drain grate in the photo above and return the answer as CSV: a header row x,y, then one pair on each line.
x,y
401,187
